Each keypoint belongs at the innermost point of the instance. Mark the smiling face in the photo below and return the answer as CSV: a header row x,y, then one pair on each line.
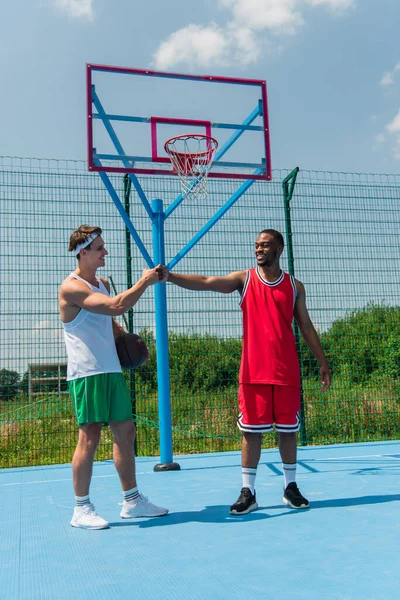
x,y
94,255
267,250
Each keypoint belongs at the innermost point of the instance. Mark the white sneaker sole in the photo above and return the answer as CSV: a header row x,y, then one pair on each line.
x,y
128,516
254,506
288,503
73,524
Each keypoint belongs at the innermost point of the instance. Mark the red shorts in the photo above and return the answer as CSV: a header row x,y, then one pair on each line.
x,y
261,406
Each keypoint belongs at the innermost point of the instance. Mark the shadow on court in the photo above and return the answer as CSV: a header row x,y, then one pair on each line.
x,y
209,514
341,503
220,513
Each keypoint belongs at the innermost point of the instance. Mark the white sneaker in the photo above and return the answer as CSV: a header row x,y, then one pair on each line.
x,y
86,517
141,507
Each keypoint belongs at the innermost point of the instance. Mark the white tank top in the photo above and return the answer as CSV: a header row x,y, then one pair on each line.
x,y
90,341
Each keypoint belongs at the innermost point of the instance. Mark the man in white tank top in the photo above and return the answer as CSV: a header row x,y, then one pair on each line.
x,y
96,383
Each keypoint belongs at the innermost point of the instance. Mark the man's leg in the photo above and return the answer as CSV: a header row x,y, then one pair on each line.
x,y
288,447
287,424
85,516
255,418
251,452
134,504
82,462
288,452
123,452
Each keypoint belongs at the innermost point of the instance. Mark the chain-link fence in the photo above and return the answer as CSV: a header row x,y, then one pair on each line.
x,y
343,229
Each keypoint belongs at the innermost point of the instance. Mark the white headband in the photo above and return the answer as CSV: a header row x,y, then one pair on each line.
x,y
89,240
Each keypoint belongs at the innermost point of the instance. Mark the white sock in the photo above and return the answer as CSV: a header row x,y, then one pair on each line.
x,y
289,473
249,478
131,495
82,500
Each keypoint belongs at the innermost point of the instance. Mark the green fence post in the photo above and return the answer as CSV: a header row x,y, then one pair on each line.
x,y
127,194
288,187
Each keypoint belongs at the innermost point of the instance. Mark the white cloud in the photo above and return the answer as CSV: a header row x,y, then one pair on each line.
x,y
380,138
252,26
396,148
247,47
41,325
276,16
76,8
334,5
388,78
394,125
50,332
194,44
392,134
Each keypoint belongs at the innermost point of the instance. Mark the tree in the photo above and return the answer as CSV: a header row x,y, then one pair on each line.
x,y
363,342
9,382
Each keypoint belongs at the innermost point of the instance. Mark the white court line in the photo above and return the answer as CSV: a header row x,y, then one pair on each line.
x,y
390,456
57,480
143,472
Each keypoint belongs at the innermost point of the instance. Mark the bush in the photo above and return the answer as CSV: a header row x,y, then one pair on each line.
x,y
197,362
365,342
9,382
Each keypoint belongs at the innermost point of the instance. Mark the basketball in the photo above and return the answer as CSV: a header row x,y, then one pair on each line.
x,y
132,350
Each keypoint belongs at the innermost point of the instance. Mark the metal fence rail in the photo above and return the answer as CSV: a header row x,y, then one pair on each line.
x,y
344,233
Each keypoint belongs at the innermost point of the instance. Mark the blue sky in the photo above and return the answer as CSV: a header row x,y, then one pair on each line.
x,y
332,68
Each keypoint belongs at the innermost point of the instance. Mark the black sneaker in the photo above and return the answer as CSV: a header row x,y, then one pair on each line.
x,y
245,503
293,497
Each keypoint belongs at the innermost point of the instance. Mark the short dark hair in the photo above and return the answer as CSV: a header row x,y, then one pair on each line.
x,y
278,237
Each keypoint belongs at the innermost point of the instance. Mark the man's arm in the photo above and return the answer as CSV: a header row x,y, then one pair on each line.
x,y
310,335
117,329
226,284
76,293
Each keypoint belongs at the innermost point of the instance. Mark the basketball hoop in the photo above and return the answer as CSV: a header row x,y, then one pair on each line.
x,y
191,156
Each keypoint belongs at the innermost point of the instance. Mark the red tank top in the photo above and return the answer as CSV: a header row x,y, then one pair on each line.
x,y
269,348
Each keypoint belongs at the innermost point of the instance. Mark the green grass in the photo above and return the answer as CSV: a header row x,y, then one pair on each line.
x,y
44,432
349,412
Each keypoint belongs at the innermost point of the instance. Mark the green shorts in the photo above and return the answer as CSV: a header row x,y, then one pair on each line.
x,y
101,398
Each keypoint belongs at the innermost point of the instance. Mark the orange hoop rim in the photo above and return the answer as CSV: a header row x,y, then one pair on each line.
x,y
198,136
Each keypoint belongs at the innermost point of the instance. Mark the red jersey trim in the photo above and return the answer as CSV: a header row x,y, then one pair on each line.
x,y
270,283
295,293
246,285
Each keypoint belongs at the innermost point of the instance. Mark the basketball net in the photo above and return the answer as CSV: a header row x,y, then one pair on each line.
x,y
191,156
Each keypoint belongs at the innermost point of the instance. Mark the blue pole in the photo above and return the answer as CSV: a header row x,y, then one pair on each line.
x,y
218,215
109,186
160,294
120,151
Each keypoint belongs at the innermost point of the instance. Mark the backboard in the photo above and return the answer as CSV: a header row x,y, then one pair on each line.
x,y
132,112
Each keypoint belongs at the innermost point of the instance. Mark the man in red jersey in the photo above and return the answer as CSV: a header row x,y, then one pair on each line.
x,y
269,377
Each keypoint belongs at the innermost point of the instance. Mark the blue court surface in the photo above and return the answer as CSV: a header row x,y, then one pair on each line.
x,y
345,547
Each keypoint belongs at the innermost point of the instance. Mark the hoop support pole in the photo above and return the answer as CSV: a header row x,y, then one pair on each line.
x,y
120,150
110,188
160,295
218,215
